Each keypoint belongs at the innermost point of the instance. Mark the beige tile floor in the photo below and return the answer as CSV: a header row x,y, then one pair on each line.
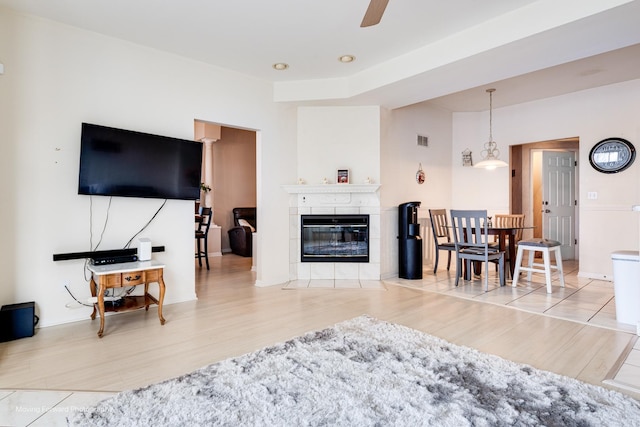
x,y
582,300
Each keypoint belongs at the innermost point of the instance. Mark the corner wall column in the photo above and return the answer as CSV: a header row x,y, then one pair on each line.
x,y
207,173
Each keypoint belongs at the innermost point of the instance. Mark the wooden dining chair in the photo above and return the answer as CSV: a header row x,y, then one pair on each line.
x,y
509,220
472,244
441,235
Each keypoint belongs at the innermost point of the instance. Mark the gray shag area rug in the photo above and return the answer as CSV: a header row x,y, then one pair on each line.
x,y
366,372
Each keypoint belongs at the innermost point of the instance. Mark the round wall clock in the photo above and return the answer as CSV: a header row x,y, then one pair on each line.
x,y
612,155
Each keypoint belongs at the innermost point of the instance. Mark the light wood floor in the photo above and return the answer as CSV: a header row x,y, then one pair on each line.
x,y
233,317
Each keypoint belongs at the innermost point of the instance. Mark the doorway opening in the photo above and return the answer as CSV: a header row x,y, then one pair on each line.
x,y
229,170
544,187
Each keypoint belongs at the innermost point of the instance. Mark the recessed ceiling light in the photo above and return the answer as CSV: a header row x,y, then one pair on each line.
x,y
280,66
346,58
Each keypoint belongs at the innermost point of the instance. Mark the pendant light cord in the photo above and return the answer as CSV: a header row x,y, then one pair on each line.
x,y
490,114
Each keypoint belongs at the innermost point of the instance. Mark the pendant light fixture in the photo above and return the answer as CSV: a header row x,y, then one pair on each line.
x,y
490,153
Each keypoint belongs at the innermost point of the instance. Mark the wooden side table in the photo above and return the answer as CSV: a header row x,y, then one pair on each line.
x,y
124,275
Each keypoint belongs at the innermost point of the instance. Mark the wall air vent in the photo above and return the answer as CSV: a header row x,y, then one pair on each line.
x,y
423,141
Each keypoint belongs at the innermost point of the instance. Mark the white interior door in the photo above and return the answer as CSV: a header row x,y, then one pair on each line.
x,y
559,199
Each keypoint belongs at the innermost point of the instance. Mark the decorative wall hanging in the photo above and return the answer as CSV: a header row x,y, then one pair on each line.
x,y
612,155
420,176
466,158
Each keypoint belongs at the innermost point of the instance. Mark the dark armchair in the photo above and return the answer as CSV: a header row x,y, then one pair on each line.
x,y
240,238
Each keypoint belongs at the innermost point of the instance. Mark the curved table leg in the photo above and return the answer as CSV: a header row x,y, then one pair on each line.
x,y
146,292
101,291
92,285
161,298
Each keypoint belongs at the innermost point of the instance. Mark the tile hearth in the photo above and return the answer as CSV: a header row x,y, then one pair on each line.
x,y
335,284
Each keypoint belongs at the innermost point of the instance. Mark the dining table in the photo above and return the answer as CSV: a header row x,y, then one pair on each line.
x,y
506,237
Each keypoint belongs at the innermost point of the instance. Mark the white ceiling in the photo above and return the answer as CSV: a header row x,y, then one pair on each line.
x,y
448,52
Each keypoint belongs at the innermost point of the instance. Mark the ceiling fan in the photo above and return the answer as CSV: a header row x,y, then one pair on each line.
x,y
374,12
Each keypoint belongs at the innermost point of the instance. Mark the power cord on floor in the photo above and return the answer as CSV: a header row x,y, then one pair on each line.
x,y
122,295
76,299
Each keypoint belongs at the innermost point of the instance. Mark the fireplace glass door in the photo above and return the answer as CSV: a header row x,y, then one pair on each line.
x,y
335,238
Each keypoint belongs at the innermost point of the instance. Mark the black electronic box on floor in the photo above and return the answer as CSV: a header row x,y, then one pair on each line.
x,y
17,321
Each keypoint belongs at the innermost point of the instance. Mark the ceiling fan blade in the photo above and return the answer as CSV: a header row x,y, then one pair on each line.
x,y
374,12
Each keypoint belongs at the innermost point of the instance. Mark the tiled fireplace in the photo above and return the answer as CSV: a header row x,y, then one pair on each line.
x,y
329,201
334,238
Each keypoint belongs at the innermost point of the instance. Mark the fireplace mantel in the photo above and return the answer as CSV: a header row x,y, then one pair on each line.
x,y
331,188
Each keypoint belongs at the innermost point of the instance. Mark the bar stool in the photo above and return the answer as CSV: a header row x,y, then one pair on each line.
x,y
203,222
541,245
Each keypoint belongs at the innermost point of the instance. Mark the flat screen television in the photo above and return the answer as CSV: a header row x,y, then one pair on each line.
x,y
118,162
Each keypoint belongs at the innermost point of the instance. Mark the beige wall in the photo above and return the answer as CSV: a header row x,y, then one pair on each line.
x,y
402,156
234,177
606,224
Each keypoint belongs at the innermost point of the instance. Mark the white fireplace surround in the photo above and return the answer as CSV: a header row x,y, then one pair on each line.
x,y
334,199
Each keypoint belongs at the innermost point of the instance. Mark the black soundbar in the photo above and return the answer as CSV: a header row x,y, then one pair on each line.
x,y
115,253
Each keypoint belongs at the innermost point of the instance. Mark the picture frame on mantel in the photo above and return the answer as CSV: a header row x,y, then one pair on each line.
x,y
342,176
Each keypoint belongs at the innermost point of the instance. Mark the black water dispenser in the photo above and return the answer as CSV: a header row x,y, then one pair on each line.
x,y
410,249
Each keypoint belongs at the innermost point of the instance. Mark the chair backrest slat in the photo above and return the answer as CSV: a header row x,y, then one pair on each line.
x,y
204,222
470,231
440,224
470,228
511,220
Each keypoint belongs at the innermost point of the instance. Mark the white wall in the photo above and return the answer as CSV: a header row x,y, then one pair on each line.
x,y
55,78
606,224
332,138
382,145
479,188
400,159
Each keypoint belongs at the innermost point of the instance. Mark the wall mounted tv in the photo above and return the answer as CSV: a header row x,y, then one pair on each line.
x,y
117,162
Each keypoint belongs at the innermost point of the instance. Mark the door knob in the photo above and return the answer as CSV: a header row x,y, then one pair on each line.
x,y
547,211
